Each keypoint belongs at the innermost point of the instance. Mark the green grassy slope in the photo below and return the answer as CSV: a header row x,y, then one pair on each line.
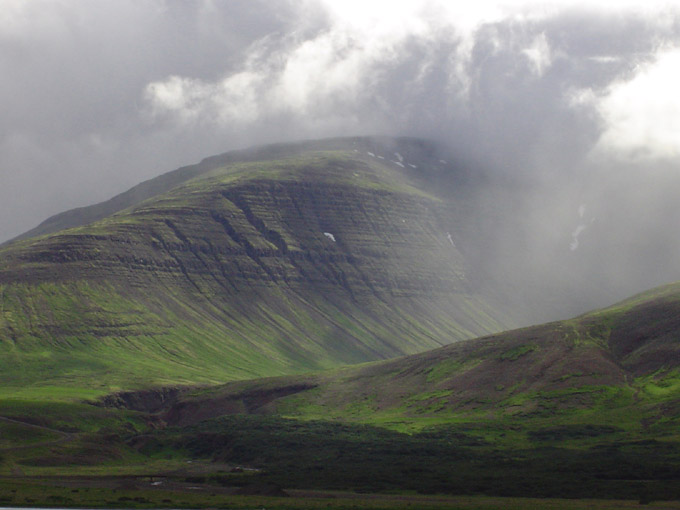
x,y
581,408
256,268
618,366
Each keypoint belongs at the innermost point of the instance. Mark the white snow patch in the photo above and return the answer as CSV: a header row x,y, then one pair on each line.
x,y
443,162
398,163
574,236
573,246
581,210
381,157
399,157
370,154
412,165
356,150
448,235
329,236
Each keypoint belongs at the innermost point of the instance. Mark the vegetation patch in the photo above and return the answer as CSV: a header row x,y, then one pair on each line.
x,y
571,432
517,352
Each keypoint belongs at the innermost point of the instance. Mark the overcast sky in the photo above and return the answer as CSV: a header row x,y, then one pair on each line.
x,y
96,96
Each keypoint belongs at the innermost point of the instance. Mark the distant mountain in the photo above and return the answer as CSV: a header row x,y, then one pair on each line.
x,y
271,261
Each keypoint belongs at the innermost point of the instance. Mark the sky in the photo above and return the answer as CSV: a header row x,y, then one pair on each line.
x,y
578,98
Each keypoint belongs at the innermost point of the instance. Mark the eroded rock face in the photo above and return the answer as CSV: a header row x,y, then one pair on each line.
x,y
148,401
267,232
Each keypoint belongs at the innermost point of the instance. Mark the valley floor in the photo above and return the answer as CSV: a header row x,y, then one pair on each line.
x,y
166,492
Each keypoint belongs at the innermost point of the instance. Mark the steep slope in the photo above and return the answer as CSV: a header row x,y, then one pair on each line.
x,y
618,366
260,268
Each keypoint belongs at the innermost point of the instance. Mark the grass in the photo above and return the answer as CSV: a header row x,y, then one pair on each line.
x,y
72,495
180,344
14,434
662,386
574,461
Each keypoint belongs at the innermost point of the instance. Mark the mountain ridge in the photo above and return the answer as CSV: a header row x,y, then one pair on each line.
x,y
166,181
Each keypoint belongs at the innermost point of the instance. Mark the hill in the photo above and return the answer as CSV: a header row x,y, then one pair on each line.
x,y
616,366
584,408
273,261
587,407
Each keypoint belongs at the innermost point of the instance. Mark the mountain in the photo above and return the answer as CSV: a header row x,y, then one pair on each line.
x,y
224,329
271,261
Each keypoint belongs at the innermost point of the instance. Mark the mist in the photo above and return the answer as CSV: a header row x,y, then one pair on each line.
x,y
572,106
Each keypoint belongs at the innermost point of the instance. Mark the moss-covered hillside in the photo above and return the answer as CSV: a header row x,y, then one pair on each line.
x,y
617,367
251,268
587,407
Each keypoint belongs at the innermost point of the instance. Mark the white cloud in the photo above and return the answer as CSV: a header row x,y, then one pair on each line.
x,y
197,101
333,71
642,114
539,54
174,94
302,78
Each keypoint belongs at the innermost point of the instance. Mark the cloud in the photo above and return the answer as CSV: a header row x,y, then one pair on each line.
x,y
539,54
505,75
305,79
193,101
641,114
